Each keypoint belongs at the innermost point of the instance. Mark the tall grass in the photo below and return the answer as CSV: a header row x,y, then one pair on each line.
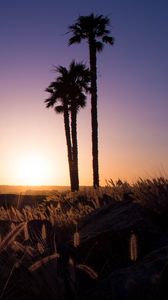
x,y
68,208
64,211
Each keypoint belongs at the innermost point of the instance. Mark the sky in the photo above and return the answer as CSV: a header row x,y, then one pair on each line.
x,y
132,91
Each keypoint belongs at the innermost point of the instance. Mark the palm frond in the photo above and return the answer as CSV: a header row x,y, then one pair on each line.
x,y
99,46
59,109
50,102
108,39
76,39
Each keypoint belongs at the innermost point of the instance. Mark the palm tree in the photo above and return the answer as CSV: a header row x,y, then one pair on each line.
x,y
68,95
79,86
93,28
56,89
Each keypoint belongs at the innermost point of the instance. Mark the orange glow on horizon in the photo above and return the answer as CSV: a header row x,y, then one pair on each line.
x,y
29,167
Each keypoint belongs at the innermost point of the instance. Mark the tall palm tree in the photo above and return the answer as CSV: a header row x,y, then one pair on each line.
x,y
79,86
58,94
68,95
93,28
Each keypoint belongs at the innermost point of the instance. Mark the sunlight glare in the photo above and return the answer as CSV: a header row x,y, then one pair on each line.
x,y
32,170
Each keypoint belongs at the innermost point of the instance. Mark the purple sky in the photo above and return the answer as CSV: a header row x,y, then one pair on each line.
x,y
132,89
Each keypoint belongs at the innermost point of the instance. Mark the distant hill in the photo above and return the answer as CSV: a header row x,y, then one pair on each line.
x,y
31,190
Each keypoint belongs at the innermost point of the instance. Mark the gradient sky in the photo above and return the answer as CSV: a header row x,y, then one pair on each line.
x,y
132,90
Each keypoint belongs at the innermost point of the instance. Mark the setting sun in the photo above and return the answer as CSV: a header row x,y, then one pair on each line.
x,y
32,170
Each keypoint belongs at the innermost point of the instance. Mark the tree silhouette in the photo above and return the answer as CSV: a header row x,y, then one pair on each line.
x,y
93,28
68,95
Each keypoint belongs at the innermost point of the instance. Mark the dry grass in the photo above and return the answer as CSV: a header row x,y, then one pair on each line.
x,y
64,211
69,208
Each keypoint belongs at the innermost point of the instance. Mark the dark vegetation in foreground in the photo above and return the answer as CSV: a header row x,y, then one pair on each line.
x,y
110,243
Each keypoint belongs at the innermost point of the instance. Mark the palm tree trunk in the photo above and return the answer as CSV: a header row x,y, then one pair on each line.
x,y
69,145
94,121
74,146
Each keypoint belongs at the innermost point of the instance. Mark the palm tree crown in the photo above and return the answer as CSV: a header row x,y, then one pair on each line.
x,y
92,26
69,87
